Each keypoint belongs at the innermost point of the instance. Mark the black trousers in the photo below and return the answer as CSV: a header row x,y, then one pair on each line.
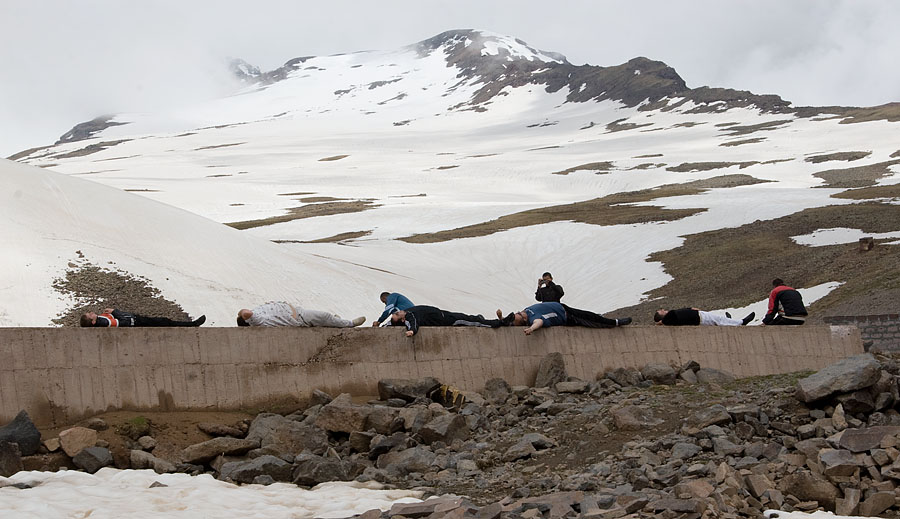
x,y
140,320
781,320
460,319
576,317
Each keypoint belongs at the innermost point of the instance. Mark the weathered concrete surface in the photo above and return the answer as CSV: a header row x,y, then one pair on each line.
x,y
60,375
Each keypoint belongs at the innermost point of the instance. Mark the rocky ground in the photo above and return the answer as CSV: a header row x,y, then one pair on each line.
x,y
661,442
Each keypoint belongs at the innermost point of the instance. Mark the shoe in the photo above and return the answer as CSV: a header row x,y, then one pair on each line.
x,y
623,321
358,321
747,319
499,314
200,320
728,315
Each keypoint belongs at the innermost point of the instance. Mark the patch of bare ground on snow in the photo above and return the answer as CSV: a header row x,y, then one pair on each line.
x,y
608,210
94,288
860,176
308,211
734,267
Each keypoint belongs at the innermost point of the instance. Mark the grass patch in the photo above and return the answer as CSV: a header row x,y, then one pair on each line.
x,y
609,210
735,130
686,167
599,167
337,238
848,156
219,146
870,193
307,211
860,176
89,149
741,142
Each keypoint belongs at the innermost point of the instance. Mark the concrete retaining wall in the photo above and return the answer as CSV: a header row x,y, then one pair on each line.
x,y
60,375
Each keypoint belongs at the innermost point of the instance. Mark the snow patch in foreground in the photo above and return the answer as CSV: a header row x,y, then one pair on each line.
x,y
777,514
839,235
810,296
127,493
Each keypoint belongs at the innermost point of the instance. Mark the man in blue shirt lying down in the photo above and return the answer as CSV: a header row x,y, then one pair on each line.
x,y
543,315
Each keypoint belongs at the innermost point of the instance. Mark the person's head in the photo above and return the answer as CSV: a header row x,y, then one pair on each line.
x,y
546,276
88,319
398,317
519,318
384,296
242,317
658,316
777,282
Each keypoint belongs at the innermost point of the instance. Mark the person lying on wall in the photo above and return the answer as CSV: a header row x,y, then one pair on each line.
x,y
697,317
421,315
393,301
280,313
113,318
543,315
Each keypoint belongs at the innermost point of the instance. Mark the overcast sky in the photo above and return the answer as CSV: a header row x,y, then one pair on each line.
x,y
66,61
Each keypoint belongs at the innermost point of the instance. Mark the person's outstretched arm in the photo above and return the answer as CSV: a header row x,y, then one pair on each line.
x,y
534,326
412,324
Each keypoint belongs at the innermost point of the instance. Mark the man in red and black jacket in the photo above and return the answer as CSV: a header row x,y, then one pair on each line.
x,y
785,305
112,318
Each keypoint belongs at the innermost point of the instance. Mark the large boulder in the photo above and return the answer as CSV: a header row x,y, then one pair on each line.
x,y
145,460
280,434
10,459
205,451
22,431
407,389
383,419
850,374
496,391
634,418
342,415
400,463
712,415
93,459
76,439
625,377
659,373
247,471
445,428
310,470
861,440
551,370
807,487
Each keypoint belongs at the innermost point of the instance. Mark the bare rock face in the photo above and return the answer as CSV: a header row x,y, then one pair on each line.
x,y
445,428
22,431
93,459
76,439
247,471
10,459
496,391
205,451
634,418
850,374
551,371
407,389
287,436
341,415
416,459
659,373
808,487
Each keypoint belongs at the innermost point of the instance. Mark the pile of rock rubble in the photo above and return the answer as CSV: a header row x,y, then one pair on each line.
x,y
667,442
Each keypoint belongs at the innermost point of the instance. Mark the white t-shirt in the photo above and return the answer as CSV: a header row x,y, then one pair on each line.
x,y
276,313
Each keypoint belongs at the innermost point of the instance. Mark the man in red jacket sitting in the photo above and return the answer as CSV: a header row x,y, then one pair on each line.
x,y
785,305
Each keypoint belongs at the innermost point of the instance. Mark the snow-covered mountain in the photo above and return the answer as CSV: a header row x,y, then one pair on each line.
x,y
455,170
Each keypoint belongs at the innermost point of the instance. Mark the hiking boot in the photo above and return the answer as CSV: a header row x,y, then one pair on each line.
x,y
747,319
200,320
499,314
623,321
728,315
358,321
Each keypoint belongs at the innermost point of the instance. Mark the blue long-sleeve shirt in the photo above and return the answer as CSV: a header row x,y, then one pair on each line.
x,y
395,301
